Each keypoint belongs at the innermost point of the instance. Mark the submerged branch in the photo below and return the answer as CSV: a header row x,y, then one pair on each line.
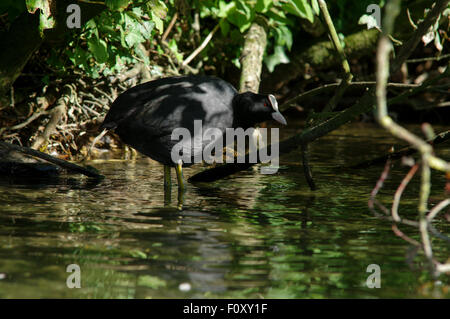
x,y
426,151
64,164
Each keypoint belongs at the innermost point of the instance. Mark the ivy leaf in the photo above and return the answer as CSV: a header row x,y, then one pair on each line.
x,y
98,49
278,16
278,57
263,5
141,54
116,5
174,48
240,17
370,21
158,8
284,36
78,57
315,7
299,8
133,38
224,27
46,21
158,13
158,22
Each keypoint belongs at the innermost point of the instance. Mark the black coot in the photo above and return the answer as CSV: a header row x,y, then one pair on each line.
x,y
145,116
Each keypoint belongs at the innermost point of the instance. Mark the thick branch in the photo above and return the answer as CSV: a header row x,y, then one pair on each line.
x,y
252,56
366,103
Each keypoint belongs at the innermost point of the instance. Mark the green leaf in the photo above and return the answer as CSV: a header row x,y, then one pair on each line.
x,y
133,38
239,19
300,8
369,20
225,8
263,5
45,19
278,16
78,57
146,28
45,22
116,5
92,27
242,7
174,48
137,24
141,54
278,57
224,26
158,8
284,36
98,49
158,22
315,7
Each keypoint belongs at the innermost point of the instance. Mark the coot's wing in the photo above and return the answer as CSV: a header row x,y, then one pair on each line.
x,y
164,104
146,115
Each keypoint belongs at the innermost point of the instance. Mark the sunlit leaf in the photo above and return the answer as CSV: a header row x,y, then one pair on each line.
x,y
225,8
315,7
158,22
263,5
46,21
278,57
158,8
116,5
370,21
300,8
98,49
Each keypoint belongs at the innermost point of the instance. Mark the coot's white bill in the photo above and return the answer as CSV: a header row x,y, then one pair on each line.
x,y
277,116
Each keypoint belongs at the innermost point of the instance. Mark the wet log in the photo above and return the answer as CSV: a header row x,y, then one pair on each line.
x,y
15,158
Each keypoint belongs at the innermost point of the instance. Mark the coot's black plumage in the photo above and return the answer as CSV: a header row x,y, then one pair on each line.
x,y
145,116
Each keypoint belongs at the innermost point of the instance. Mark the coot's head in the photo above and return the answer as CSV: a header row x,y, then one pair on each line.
x,y
251,108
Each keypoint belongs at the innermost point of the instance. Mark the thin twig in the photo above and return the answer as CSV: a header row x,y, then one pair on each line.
x,y
410,19
433,58
379,184
382,74
201,47
399,192
169,27
348,76
400,234
331,86
436,209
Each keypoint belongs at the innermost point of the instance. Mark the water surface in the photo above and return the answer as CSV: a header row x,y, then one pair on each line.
x,y
247,236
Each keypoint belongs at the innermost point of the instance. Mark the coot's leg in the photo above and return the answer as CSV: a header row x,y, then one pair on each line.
x,y
167,183
179,170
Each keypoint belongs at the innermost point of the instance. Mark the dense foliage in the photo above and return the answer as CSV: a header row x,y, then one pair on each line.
x,y
115,38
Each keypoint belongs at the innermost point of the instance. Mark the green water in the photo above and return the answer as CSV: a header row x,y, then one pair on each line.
x,y
247,236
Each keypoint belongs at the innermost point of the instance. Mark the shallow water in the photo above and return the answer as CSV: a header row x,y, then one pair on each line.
x,y
247,236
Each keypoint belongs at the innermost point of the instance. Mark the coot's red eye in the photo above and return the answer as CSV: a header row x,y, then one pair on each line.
x,y
265,104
